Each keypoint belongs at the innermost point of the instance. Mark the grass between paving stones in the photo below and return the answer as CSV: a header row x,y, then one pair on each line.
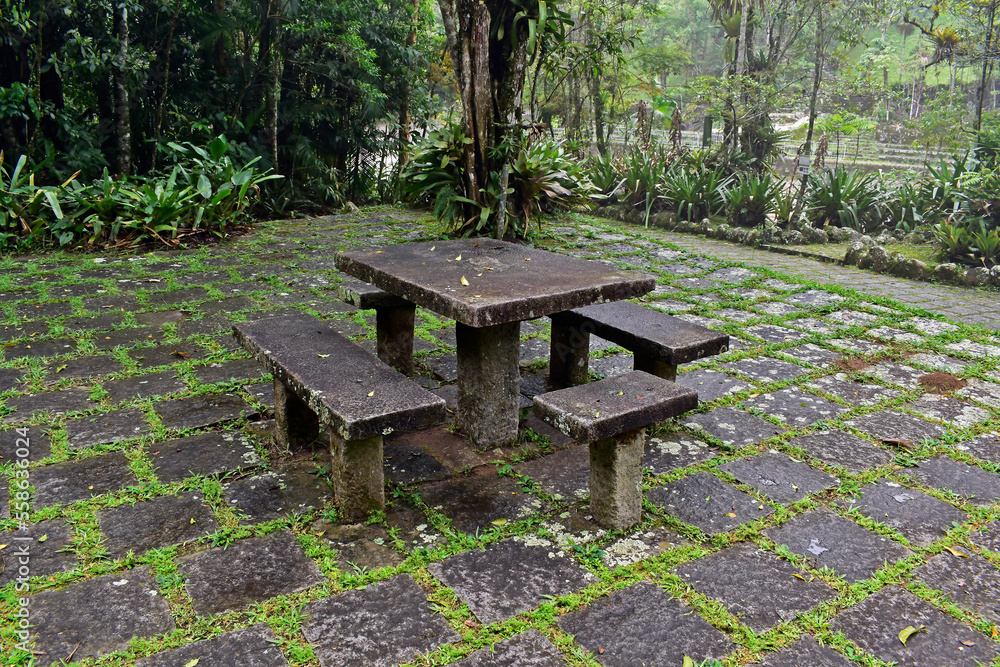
x,y
284,613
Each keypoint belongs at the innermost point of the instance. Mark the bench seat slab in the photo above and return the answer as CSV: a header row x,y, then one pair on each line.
x,y
349,390
604,409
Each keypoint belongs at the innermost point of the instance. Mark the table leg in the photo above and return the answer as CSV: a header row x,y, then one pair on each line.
x,y
394,326
357,477
616,480
655,367
489,383
295,424
569,354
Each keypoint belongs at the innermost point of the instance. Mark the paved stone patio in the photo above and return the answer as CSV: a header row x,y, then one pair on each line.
x,y
837,484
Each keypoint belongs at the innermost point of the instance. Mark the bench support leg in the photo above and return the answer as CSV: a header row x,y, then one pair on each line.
x,y
569,354
356,473
394,327
655,367
296,425
489,383
616,480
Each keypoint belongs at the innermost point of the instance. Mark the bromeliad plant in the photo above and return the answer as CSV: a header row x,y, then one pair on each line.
x,y
696,191
845,198
752,199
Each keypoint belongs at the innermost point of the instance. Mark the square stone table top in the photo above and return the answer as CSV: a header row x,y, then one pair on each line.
x,y
506,282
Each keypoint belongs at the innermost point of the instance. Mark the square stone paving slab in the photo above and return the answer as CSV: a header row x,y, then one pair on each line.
x,y
474,501
795,407
766,369
806,652
955,413
564,474
405,463
940,472
710,384
919,517
247,571
211,453
200,411
106,428
674,450
79,479
848,451
383,625
643,625
50,403
237,370
987,393
156,523
291,489
528,649
757,587
813,355
874,624
359,546
985,447
988,538
971,583
85,368
640,546
779,477
510,577
33,444
705,501
897,374
255,646
145,386
47,546
830,540
733,427
771,333
892,425
96,617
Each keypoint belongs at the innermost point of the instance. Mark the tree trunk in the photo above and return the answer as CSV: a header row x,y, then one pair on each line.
x,y
741,53
986,69
221,67
405,121
598,101
817,80
158,123
123,134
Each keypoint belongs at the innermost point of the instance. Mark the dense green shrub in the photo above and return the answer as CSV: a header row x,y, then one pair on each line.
x,y
967,243
695,191
845,198
204,192
752,198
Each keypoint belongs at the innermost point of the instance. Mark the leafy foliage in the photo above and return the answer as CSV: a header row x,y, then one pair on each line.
x,y
695,191
845,198
751,199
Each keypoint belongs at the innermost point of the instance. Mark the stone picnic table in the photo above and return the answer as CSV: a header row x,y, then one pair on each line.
x,y
488,287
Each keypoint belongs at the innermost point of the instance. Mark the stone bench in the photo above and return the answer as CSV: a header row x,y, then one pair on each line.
x,y
394,317
321,378
658,342
612,415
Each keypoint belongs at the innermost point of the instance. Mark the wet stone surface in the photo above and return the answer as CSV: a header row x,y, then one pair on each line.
x,y
733,427
779,477
247,571
200,411
975,484
254,646
755,586
510,577
985,447
144,386
988,538
958,414
156,523
405,463
804,652
640,546
705,501
814,355
74,480
48,546
896,426
383,625
95,617
477,500
359,546
710,384
795,408
667,452
642,624
14,445
875,622
918,517
842,449
106,428
829,540
766,369
291,489
971,582
528,649
210,453
564,474
59,402
853,391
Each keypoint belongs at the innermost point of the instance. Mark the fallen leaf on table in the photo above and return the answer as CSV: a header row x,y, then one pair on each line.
x,y
322,355
464,281
371,393
193,521
2,547
458,259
